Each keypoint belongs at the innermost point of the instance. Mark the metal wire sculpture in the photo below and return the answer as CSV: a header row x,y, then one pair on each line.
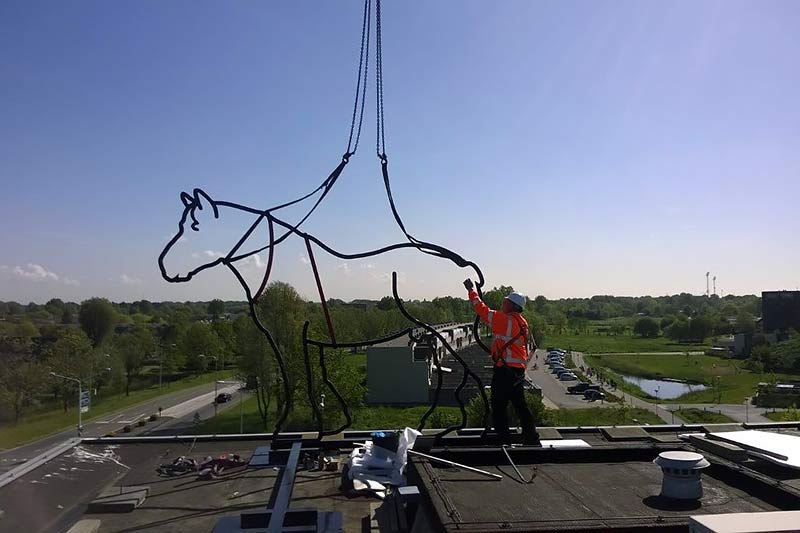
x,y
279,230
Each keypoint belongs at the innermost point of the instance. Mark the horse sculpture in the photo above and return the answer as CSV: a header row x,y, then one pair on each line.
x,y
199,209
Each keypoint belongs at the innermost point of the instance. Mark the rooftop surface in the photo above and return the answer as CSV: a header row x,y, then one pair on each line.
x,y
611,486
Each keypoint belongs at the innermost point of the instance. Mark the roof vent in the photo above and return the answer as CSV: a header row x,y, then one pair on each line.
x,y
681,474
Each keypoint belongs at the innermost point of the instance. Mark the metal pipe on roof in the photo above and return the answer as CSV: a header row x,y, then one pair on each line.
x,y
458,465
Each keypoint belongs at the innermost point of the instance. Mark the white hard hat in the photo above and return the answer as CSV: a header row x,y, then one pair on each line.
x,y
518,299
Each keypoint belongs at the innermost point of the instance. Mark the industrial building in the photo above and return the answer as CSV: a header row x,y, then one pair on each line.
x,y
780,311
401,361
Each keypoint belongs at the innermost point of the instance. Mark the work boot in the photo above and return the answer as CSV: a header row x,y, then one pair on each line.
x,y
532,440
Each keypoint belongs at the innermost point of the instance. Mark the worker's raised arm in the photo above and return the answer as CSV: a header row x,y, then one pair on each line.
x,y
489,316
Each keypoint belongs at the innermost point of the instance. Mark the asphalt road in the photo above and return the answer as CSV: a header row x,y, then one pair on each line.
x,y
177,416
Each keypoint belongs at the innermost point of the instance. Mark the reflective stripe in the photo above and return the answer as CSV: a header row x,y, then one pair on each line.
x,y
503,337
490,317
508,328
514,359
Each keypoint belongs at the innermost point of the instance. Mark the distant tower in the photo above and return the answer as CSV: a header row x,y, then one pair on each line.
x,y
714,281
707,274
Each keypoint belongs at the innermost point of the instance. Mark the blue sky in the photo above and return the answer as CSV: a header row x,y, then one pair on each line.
x,y
569,148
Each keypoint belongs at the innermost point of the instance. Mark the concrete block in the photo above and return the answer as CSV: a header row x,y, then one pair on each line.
x,y
625,433
720,448
88,525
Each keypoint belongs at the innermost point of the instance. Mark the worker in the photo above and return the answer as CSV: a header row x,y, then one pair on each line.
x,y
509,353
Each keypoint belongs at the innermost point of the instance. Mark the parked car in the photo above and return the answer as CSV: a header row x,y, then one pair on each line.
x,y
567,376
555,369
555,360
563,371
580,388
593,395
223,397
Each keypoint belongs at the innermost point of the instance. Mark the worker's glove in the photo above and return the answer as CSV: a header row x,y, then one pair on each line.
x,y
468,284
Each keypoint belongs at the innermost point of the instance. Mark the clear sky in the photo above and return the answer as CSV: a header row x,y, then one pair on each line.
x,y
570,148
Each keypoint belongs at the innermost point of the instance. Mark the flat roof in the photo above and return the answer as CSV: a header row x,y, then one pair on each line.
x,y
583,490
611,485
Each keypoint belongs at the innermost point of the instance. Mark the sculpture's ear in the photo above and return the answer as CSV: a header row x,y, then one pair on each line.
x,y
202,199
186,199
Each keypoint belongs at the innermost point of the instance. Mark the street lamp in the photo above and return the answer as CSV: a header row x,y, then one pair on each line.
x,y
747,410
91,373
80,393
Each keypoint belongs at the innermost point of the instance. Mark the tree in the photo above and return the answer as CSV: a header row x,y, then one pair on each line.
x,y
97,318
745,323
21,375
646,327
133,347
666,322
216,308
66,316
200,339
494,298
27,329
69,356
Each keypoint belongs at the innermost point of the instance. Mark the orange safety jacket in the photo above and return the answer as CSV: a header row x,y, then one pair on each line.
x,y
510,330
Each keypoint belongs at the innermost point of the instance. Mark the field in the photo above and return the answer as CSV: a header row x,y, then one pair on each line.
x,y
625,343
735,382
790,415
601,416
38,425
383,417
699,416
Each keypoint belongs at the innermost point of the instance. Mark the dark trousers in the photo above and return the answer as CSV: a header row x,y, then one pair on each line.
x,y
507,385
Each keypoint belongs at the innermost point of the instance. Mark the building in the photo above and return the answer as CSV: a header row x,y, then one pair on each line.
x,y
778,395
738,345
401,361
780,311
584,479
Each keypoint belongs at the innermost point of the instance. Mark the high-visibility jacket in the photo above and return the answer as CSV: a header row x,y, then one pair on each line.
x,y
510,332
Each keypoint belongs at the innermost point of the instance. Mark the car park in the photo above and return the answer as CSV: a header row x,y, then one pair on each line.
x,y
555,369
567,376
580,388
564,371
593,395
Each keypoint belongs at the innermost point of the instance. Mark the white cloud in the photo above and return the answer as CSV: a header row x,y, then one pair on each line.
x,y
344,267
254,260
212,253
387,277
72,282
129,280
305,260
35,273
367,266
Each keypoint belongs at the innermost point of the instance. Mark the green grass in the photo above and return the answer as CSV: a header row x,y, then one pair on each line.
x,y
700,416
383,417
735,382
38,425
366,417
601,416
790,415
618,343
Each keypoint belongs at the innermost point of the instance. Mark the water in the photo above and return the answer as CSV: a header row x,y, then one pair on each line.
x,y
667,390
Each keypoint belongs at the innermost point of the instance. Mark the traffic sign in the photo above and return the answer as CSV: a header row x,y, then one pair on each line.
x,y
85,401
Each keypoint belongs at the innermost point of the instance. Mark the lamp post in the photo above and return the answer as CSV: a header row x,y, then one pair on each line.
x,y
91,373
241,408
747,410
80,393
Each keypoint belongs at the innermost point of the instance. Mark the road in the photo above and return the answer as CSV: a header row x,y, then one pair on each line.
x,y
177,415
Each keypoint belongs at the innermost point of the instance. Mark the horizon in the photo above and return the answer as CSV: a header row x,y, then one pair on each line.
x,y
635,146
